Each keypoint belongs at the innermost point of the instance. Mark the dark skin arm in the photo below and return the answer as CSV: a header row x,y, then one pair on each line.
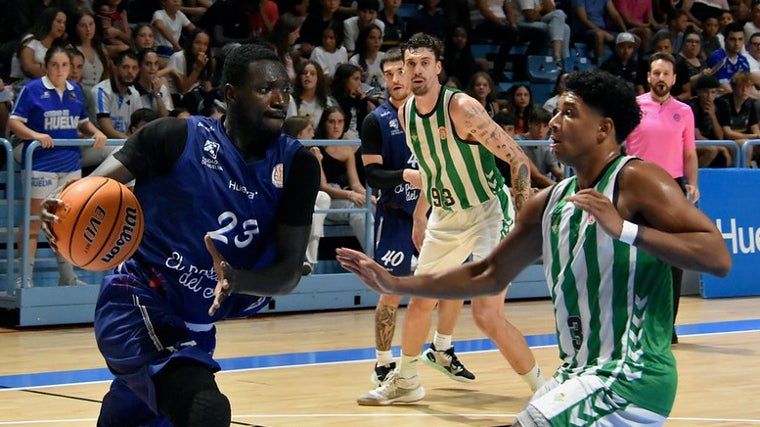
x,y
680,235
283,275
281,278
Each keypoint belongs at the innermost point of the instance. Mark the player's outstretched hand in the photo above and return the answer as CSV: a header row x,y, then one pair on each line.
x,y
371,273
223,270
47,214
600,208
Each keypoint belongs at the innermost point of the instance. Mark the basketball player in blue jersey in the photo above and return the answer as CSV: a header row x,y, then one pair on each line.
x,y
49,108
455,141
608,237
228,204
392,168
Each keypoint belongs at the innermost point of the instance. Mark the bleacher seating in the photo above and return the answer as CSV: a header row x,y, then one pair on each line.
x,y
542,69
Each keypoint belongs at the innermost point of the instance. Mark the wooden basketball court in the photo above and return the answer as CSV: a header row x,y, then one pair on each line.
x,y
308,369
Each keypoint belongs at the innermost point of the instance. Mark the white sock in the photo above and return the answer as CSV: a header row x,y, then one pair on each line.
x,y
384,358
442,342
408,368
534,378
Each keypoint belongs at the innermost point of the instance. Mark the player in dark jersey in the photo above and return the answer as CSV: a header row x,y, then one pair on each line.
x,y
228,204
392,168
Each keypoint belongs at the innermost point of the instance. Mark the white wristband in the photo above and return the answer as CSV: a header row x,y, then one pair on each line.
x,y
629,233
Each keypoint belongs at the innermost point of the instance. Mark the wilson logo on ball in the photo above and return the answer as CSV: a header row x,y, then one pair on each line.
x,y
100,223
127,231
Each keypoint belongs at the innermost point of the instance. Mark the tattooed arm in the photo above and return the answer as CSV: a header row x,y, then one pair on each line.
x,y
472,123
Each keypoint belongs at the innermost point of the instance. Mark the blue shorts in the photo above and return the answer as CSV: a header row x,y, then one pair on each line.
x,y
394,248
139,332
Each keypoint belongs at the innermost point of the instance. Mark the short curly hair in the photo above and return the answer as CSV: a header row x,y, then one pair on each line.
x,y
235,71
608,95
422,40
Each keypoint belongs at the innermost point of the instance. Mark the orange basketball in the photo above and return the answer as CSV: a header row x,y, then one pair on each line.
x,y
101,223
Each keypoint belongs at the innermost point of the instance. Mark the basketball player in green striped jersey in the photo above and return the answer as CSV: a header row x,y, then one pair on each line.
x,y
608,237
454,140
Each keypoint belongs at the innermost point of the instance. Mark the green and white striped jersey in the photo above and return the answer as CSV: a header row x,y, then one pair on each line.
x,y
613,302
456,175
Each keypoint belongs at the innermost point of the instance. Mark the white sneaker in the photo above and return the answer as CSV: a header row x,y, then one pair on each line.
x,y
394,389
76,282
29,283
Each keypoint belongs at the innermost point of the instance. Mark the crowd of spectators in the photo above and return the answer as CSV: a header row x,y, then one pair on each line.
x,y
137,60
168,54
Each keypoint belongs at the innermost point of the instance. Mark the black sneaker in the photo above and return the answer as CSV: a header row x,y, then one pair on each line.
x,y
674,338
448,363
381,372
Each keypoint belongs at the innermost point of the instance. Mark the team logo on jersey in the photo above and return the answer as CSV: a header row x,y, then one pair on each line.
x,y
442,132
677,117
277,175
591,219
212,148
210,154
556,217
393,124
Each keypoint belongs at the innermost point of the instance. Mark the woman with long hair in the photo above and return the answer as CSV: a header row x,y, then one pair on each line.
x,y
86,37
310,93
341,174
29,62
143,37
459,60
520,103
368,57
192,72
347,91
689,66
481,87
284,35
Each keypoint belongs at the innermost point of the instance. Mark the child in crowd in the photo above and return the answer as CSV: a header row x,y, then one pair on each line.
x,y
169,23
329,56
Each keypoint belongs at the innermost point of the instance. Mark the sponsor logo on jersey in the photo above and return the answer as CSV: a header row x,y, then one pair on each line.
x,y
277,176
233,185
210,154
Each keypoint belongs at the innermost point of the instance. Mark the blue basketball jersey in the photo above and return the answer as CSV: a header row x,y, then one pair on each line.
x,y
396,155
237,208
44,110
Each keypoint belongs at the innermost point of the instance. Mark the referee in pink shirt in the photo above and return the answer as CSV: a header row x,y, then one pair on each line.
x,y
665,136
